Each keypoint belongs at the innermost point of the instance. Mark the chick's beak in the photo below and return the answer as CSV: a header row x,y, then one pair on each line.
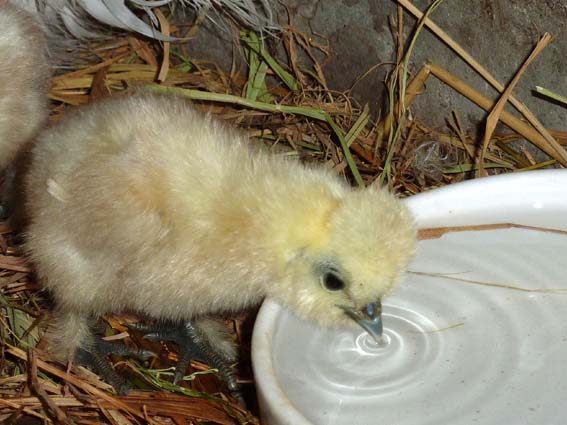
x,y
369,318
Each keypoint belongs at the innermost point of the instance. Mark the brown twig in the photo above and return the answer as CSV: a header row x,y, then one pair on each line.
x,y
437,232
496,112
165,29
47,402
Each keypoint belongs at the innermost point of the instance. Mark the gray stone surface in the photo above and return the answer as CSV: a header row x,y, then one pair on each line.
x,y
500,34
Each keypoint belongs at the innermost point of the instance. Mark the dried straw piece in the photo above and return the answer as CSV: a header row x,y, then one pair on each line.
x,y
15,264
98,86
143,50
14,405
415,87
168,404
46,400
437,232
494,115
501,285
165,30
16,352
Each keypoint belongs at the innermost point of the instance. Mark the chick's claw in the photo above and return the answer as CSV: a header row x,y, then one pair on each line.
x,y
202,340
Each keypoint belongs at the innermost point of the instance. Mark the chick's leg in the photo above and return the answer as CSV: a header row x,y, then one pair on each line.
x,y
204,340
7,183
74,334
94,354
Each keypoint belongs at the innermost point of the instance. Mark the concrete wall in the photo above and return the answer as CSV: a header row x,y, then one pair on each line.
x,y
498,33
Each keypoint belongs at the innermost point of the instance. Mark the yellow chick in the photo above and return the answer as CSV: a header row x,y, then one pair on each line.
x,y
24,82
144,204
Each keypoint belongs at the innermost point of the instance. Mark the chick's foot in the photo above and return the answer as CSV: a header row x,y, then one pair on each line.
x,y
95,356
203,340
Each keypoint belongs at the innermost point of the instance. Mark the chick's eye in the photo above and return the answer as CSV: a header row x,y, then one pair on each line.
x,y
331,282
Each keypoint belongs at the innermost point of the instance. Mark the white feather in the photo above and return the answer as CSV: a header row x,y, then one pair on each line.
x,y
116,14
99,10
82,19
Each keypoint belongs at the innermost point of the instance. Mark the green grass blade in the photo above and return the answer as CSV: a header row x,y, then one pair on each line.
x,y
348,156
551,95
255,44
314,113
257,87
257,69
186,64
358,126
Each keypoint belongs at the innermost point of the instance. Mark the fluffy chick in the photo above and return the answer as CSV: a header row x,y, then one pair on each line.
x,y
144,204
24,72
24,81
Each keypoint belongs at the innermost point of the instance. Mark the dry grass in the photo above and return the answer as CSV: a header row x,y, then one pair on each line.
x,y
287,107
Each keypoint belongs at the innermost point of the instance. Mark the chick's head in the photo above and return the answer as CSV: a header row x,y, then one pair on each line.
x,y
368,239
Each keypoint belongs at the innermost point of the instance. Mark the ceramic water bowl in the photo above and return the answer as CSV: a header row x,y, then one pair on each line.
x,y
477,333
